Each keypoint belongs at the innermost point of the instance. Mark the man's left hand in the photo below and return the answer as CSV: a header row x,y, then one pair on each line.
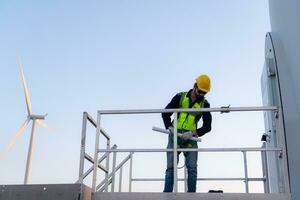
x,y
187,135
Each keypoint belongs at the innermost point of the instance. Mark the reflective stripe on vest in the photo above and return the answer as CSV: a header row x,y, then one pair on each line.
x,y
186,121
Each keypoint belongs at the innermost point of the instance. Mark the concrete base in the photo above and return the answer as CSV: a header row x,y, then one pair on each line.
x,y
82,192
45,192
186,196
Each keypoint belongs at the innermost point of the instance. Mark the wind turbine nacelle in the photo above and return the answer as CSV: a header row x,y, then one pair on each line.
x,y
33,117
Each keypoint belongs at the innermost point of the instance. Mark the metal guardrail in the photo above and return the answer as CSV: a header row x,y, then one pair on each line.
x,y
221,109
244,151
95,161
109,177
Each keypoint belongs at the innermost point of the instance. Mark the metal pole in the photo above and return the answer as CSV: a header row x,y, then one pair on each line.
x,y
265,169
246,172
221,109
185,179
29,155
130,172
175,153
282,159
168,132
194,149
113,172
94,183
107,166
201,179
82,148
120,179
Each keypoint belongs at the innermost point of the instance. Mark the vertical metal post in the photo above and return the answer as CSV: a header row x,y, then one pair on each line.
x,y
175,153
113,172
284,184
246,171
265,169
107,166
82,148
120,179
130,172
185,179
94,183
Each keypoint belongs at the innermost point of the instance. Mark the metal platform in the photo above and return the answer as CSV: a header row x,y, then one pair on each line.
x,y
186,196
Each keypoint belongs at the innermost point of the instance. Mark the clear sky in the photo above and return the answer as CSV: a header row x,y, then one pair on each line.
x,y
129,54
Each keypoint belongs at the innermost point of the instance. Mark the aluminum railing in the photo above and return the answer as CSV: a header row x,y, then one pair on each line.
x,y
244,151
94,160
109,177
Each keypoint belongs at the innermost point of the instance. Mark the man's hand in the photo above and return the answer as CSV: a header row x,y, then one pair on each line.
x,y
187,135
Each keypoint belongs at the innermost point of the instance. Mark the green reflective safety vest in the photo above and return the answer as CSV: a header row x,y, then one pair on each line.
x,y
187,121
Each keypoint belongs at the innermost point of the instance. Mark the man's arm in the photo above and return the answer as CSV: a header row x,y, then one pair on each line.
x,y
174,103
206,117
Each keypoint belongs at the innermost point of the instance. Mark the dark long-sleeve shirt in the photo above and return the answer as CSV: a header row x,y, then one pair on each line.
x,y
175,103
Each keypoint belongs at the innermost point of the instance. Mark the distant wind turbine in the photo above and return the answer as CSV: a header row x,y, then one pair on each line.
x,y
35,119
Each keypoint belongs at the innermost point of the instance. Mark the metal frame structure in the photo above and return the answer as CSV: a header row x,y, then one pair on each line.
x,y
95,161
110,177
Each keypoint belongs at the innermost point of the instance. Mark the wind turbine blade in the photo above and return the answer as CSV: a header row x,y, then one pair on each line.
x,y
26,91
14,139
42,123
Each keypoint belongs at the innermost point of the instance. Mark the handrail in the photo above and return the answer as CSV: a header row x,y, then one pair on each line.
x,y
190,149
94,123
109,177
83,155
200,179
221,109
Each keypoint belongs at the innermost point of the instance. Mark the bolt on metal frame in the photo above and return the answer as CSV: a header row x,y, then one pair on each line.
x,y
108,150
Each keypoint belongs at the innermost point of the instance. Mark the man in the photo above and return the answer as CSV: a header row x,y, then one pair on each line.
x,y
187,125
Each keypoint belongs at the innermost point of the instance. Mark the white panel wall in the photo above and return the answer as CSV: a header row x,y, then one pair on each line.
x,y
285,26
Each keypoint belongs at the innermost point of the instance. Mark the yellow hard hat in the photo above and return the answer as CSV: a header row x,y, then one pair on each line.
x,y
203,83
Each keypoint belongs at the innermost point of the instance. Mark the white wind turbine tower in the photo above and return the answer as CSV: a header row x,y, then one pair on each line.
x,y
31,117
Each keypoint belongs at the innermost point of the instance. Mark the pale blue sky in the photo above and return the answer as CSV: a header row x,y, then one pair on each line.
x,y
91,55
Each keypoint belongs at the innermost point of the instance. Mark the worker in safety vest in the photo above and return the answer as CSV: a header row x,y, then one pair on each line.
x,y
187,125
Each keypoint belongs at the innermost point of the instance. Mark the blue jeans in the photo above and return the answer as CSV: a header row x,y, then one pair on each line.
x,y
190,162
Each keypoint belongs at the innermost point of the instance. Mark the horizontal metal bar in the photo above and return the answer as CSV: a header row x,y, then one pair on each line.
x,y
89,158
221,109
190,149
200,179
94,123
